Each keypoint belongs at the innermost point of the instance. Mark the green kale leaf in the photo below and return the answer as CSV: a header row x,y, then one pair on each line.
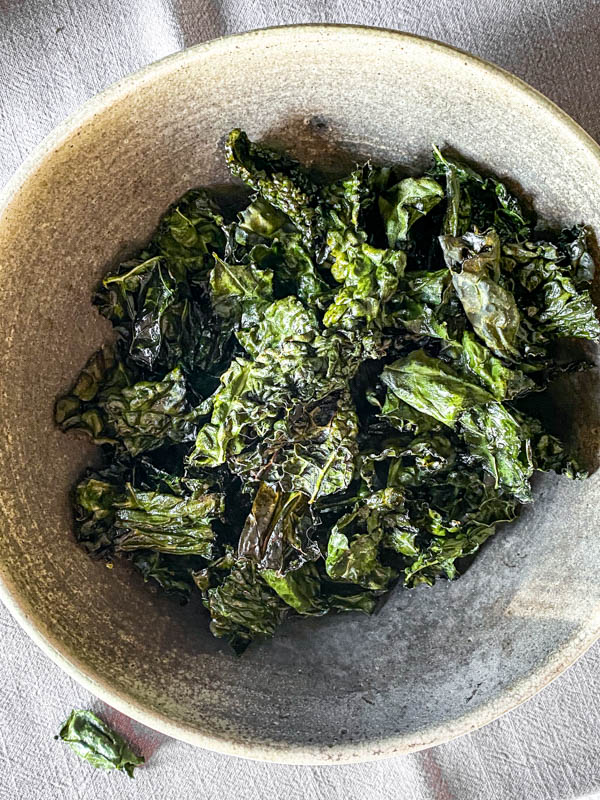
x,y
95,498
432,387
276,533
405,203
476,360
312,450
109,407
244,607
189,234
495,436
370,278
167,523
480,202
279,179
93,740
240,292
474,260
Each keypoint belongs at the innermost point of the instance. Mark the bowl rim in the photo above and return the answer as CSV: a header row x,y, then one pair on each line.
x,y
17,603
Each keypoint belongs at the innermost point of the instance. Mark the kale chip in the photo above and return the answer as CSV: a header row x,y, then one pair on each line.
x,y
94,741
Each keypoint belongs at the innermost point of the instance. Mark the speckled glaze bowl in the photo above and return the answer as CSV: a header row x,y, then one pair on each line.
x,y
434,663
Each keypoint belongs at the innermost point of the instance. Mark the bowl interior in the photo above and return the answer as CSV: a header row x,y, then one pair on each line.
x,y
433,662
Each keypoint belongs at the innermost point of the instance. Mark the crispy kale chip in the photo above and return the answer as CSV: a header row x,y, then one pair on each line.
x,y
157,300
167,523
317,397
243,606
279,179
106,404
474,261
93,740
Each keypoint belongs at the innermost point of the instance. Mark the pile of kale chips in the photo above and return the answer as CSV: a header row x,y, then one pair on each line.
x,y
316,401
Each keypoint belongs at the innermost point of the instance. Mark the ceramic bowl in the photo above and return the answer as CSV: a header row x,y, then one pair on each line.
x,y
434,663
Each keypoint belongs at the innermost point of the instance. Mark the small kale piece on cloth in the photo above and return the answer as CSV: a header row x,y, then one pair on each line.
x,y
93,740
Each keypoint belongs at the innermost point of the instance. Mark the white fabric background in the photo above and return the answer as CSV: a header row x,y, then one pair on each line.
x,y
54,54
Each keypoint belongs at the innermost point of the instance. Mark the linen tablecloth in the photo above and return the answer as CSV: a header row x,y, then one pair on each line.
x,y
54,55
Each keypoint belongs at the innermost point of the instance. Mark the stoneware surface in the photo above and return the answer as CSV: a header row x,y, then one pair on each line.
x,y
434,663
